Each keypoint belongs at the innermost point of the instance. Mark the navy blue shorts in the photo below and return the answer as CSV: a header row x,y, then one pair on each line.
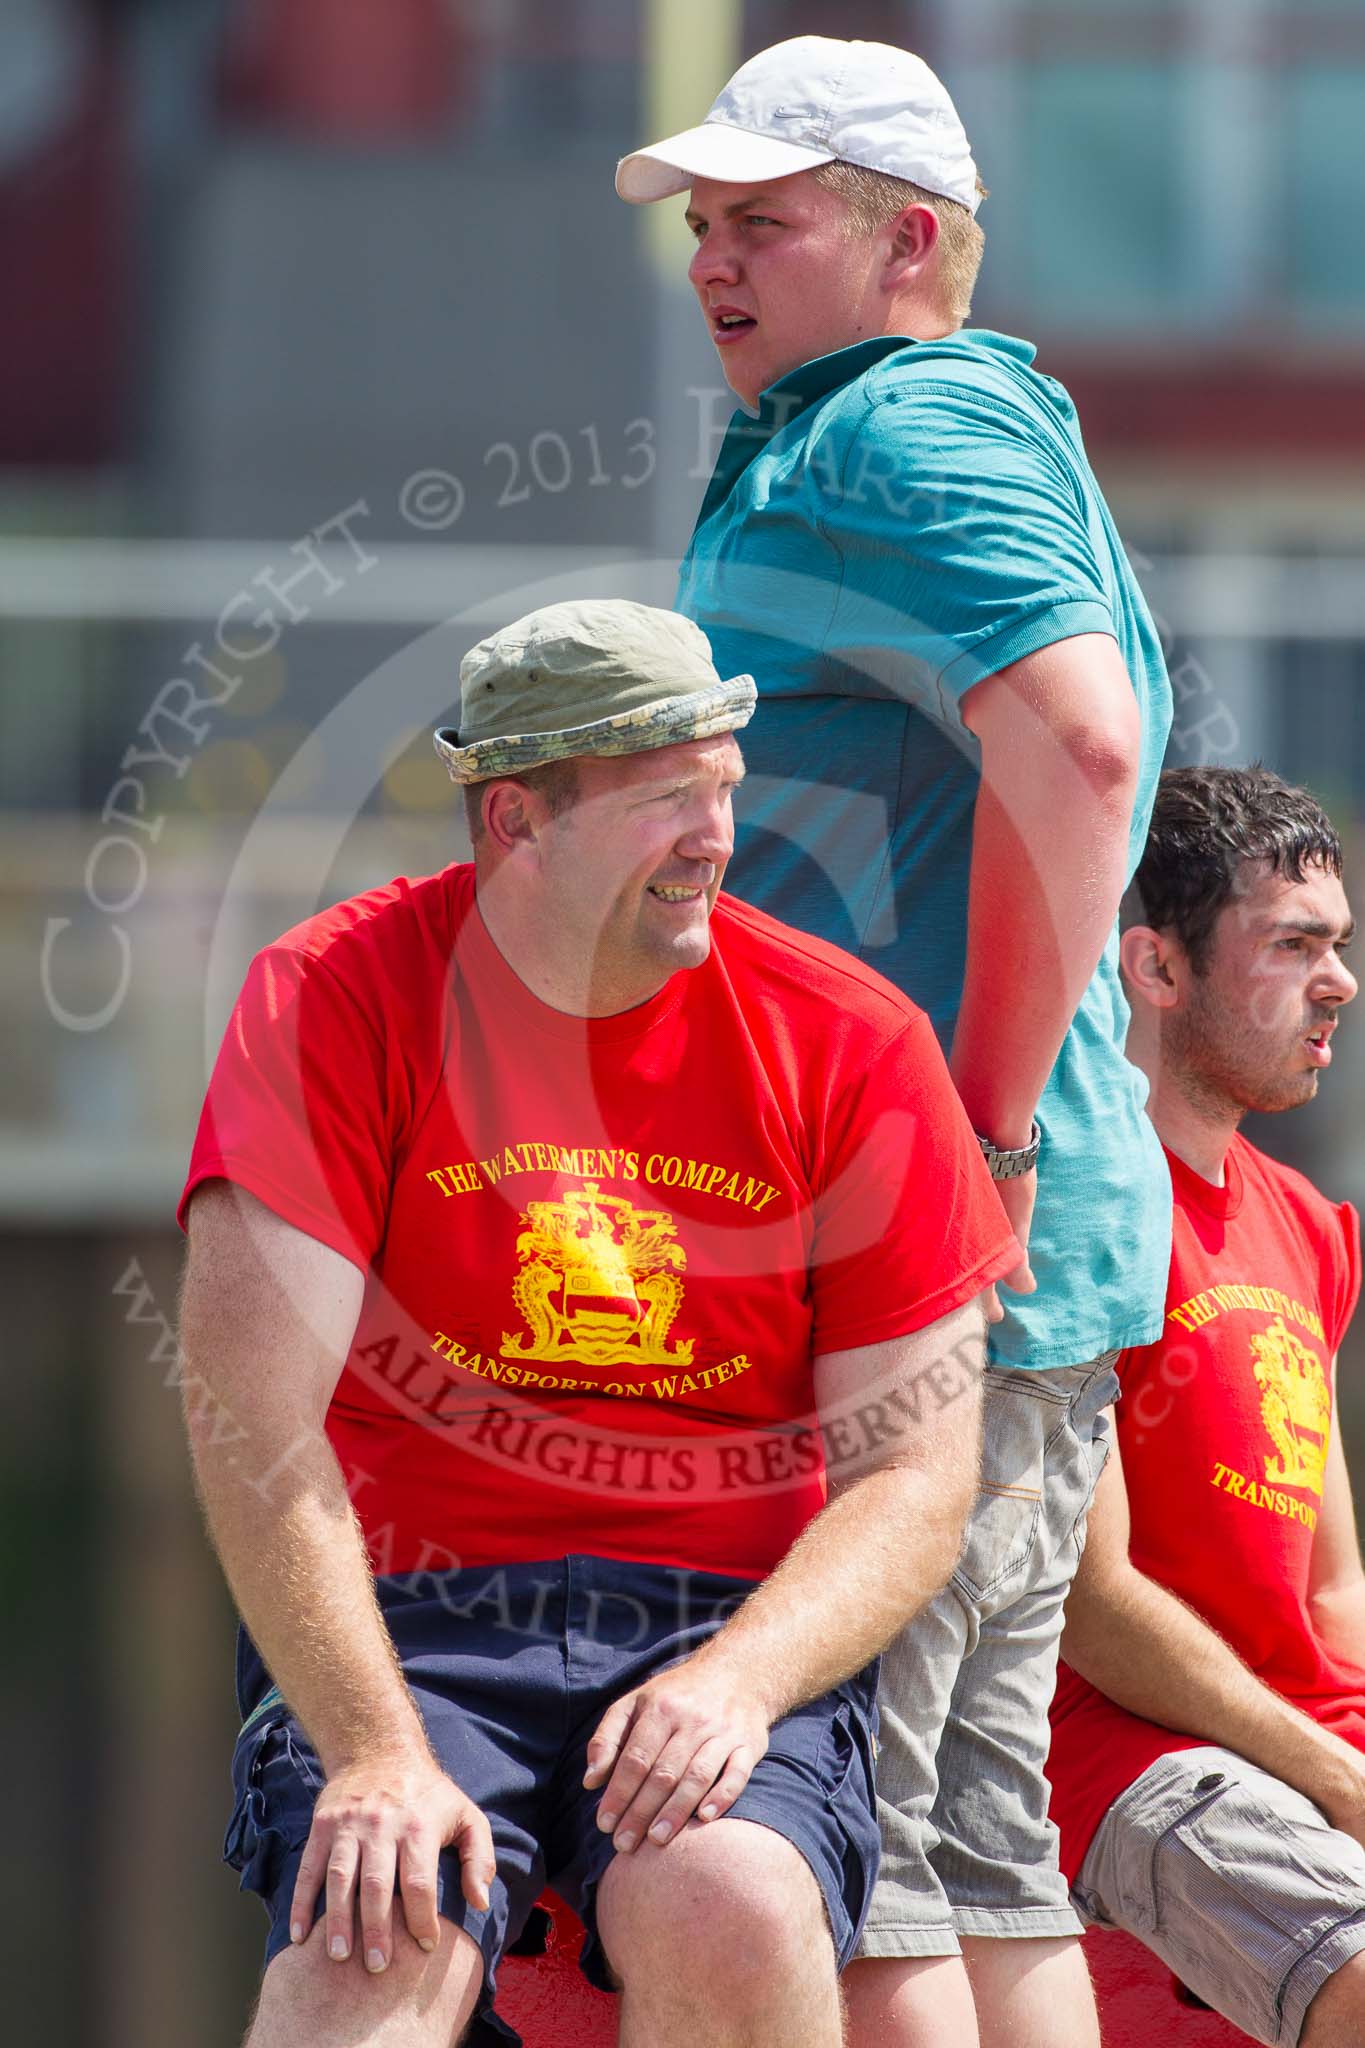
x,y
512,1668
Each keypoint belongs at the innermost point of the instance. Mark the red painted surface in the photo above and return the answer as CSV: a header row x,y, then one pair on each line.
x,y
548,1999
66,260
330,69
1137,2002
552,2006
1192,407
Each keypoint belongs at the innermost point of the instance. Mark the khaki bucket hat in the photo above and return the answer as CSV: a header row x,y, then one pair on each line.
x,y
594,677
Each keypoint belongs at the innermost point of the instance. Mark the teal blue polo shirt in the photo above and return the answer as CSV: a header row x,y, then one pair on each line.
x,y
900,521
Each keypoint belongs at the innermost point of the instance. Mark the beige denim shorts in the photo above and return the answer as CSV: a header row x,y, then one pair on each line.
x,y
1235,1880
967,1846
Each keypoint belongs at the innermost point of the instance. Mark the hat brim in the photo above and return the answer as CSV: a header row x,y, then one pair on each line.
x,y
732,156
724,707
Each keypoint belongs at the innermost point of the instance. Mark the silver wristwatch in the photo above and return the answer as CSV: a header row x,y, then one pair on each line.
x,y
1009,1165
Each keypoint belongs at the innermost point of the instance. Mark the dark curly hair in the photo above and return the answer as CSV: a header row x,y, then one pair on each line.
x,y
1206,824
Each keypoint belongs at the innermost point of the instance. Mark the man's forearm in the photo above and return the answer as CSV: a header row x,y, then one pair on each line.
x,y
1060,738
1049,855
296,1564
856,1574
1139,1645
1338,1617
884,1544
267,1317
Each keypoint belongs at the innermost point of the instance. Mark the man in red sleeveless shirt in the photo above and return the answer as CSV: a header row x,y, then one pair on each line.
x,y
558,1225
1208,1753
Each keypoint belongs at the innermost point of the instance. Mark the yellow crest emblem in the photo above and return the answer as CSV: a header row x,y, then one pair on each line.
x,y
599,1282
1295,1407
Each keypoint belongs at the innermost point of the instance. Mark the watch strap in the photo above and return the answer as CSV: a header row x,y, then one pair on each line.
x,y
1009,1165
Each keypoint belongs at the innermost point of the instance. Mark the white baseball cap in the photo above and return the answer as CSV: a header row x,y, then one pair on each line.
x,y
805,102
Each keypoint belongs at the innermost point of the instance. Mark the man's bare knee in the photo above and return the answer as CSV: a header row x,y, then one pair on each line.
x,y
420,2001
710,1900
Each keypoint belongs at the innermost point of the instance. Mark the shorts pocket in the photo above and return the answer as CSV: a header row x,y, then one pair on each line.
x,y
1093,1457
275,1780
1288,1875
821,1742
852,1801
1230,1903
1001,1533
1090,1425
845,1743
1002,1528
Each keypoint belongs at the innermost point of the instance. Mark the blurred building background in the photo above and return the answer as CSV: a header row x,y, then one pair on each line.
x,y
322,325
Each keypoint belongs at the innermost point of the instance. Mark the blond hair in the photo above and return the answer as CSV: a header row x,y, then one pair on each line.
x,y
873,198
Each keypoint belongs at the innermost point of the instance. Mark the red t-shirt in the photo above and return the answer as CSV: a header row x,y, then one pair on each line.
x,y
1223,1429
601,1253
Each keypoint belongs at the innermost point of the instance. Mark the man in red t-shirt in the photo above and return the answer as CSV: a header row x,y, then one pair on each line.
x,y
558,1227
1209,1722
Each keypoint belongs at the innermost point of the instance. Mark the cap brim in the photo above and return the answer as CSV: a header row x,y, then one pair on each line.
x,y
733,156
700,715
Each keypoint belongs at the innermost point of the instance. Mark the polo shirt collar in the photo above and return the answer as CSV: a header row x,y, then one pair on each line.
x,y
749,433
815,380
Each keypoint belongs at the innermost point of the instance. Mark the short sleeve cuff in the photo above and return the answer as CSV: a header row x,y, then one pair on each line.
x,y
284,1202
1023,636
903,1322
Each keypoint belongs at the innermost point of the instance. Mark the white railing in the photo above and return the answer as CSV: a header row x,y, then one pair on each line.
x,y
1225,595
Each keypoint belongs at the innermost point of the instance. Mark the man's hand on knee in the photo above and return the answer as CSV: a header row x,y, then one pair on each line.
x,y
381,1820
684,1743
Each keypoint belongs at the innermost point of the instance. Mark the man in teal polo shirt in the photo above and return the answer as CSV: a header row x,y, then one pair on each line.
x,y
963,707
